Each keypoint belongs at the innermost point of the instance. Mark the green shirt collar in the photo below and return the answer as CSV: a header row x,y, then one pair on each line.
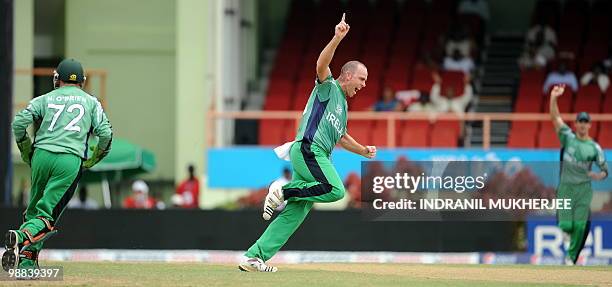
x,y
339,87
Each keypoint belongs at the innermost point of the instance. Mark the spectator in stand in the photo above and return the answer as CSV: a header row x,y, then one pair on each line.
x,y
459,39
561,76
531,59
421,105
544,40
447,102
188,192
140,198
542,34
458,62
82,201
476,7
387,103
596,76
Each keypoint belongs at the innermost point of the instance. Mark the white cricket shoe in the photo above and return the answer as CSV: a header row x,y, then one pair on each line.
x,y
569,261
10,258
273,199
255,265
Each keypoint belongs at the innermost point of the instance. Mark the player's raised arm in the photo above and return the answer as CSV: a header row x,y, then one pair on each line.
x,y
349,143
327,54
556,92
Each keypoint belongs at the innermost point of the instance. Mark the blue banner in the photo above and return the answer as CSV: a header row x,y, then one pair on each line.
x,y
256,167
546,239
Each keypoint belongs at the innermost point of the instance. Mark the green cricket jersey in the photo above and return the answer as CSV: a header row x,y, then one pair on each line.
x,y
66,117
578,156
324,119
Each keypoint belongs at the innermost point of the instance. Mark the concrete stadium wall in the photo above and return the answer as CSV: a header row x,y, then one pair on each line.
x,y
23,40
133,41
237,230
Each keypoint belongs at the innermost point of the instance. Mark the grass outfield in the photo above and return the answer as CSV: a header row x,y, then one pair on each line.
x,y
332,274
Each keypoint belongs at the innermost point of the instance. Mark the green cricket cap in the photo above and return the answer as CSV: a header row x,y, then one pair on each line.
x,y
583,116
70,71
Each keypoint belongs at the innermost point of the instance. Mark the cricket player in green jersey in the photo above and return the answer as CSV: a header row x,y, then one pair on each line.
x,y
315,179
64,118
578,153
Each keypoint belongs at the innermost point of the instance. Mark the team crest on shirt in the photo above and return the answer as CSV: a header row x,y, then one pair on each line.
x,y
338,109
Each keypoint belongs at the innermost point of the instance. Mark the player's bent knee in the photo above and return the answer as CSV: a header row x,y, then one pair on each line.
x,y
338,193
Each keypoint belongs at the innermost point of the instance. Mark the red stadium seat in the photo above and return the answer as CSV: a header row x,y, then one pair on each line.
x,y
453,79
533,76
528,105
522,138
547,136
449,124
379,134
529,99
371,90
280,94
445,134
302,93
599,26
607,103
396,85
588,99
278,103
366,97
361,102
564,102
605,135
360,130
397,76
413,134
375,63
422,80
271,132
290,130
442,137
531,126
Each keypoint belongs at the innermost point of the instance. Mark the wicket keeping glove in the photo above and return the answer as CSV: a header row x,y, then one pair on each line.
x,y
96,157
25,147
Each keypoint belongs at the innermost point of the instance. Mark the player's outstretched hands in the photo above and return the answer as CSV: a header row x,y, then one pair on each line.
x,y
557,91
342,28
370,152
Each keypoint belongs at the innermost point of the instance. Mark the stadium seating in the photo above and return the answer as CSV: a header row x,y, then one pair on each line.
x,y
547,137
588,99
413,134
379,133
272,132
564,102
445,134
360,130
605,135
394,38
523,134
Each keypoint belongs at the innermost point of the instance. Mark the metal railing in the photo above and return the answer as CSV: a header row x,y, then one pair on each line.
x,y
393,117
89,73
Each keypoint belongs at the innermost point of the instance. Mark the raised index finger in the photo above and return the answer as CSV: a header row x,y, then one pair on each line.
x,y
343,16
